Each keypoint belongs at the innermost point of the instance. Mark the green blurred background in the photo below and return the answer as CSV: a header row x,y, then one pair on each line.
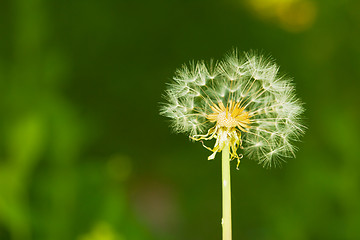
x,y
84,154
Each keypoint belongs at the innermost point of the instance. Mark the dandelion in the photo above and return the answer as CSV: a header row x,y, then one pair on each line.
x,y
243,103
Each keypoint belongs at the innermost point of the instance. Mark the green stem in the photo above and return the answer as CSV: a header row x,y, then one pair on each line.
x,y
226,194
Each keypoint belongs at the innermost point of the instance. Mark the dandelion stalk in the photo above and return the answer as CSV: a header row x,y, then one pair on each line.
x,y
226,194
243,104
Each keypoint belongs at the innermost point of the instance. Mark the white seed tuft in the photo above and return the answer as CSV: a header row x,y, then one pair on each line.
x,y
252,80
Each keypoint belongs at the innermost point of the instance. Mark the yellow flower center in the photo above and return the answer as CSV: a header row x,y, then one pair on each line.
x,y
229,122
230,116
225,119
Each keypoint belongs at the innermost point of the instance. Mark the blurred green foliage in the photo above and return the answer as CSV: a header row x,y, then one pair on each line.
x,y
84,154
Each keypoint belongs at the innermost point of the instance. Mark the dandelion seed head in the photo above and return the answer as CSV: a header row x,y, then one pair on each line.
x,y
241,101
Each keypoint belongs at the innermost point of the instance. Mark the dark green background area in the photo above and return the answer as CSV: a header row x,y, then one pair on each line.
x,y
84,154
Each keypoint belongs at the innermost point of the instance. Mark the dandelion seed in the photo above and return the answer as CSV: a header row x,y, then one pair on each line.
x,y
241,101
